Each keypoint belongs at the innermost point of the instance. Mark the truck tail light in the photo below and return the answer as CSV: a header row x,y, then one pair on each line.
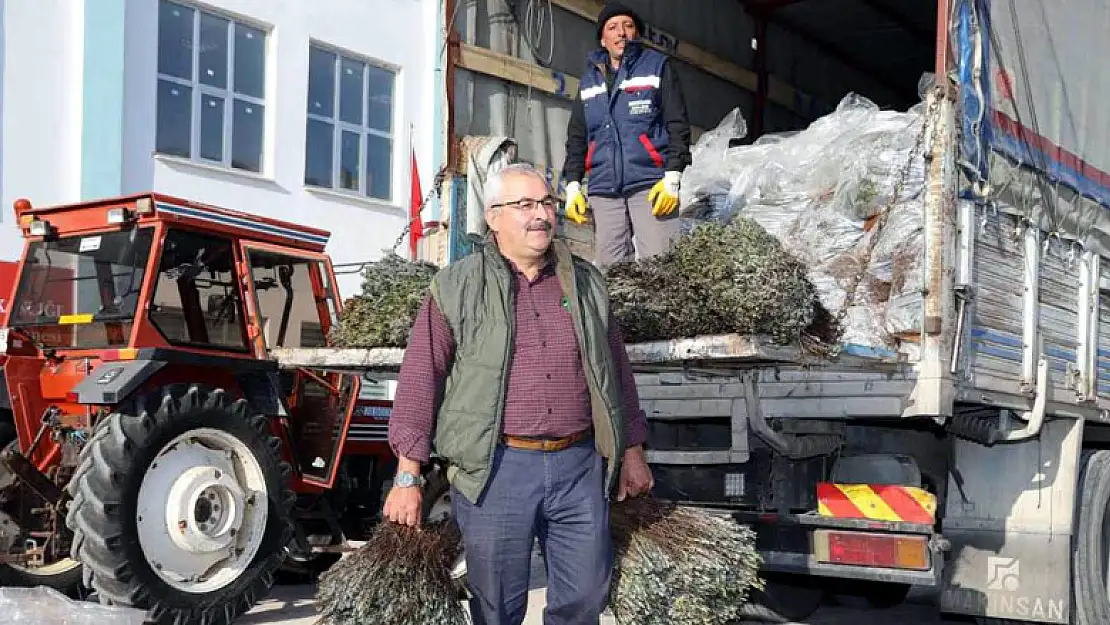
x,y
891,551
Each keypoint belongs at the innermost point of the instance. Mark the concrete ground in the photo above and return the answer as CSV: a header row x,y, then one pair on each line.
x,y
293,605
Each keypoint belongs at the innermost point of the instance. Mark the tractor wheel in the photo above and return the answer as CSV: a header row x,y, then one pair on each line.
x,y
181,507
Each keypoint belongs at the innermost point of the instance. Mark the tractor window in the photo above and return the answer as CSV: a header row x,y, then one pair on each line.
x,y
288,304
82,291
196,299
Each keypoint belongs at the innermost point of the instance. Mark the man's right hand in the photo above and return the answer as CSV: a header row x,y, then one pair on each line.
x,y
403,504
576,203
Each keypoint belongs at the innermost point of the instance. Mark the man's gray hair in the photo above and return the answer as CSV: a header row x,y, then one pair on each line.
x,y
496,180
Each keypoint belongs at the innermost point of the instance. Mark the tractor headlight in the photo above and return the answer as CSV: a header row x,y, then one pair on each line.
x,y
40,228
3,340
119,216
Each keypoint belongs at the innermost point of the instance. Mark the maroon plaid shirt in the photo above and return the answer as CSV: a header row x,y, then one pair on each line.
x,y
547,393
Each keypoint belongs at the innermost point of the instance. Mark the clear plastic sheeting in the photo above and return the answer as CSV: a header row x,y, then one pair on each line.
x,y
844,196
46,606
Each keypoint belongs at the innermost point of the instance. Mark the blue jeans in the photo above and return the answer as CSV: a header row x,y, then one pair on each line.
x,y
557,497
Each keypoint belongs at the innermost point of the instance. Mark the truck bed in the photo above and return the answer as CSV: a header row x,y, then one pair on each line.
x,y
710,351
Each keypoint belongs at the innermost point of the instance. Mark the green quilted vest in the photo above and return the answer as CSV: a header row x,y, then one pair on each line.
x,y
475,296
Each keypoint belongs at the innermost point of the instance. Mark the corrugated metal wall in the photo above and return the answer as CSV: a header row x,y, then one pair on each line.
x,y
485,105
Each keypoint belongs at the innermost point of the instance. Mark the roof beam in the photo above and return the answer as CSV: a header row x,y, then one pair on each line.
x,y
922,34
835,52
778,91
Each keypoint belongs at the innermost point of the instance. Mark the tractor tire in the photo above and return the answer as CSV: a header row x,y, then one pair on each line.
x,y
63,575
181,506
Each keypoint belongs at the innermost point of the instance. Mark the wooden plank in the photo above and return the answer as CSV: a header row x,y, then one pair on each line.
x,y
516,70
513,69
779,92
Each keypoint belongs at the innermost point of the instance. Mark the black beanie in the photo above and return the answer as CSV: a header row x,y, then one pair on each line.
x,y
613,9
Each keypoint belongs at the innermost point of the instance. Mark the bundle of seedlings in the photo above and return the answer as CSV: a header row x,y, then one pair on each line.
x,y
382,315
399,577
719,278
675,565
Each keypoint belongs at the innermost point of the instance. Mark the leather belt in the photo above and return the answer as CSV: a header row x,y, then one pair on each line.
x,y
545,444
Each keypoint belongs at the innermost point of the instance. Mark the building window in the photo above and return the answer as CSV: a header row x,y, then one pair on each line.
x,y
349,137
211,84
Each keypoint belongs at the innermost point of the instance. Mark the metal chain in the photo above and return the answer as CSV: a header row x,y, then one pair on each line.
x,y
437,183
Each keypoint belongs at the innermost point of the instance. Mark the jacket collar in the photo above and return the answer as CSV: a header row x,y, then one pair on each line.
x,y
632,50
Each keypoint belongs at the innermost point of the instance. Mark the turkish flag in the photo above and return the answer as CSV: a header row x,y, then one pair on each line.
x,y
416,227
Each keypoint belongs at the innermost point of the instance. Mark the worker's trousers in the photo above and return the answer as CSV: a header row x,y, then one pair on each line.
x,y
620,222
557,497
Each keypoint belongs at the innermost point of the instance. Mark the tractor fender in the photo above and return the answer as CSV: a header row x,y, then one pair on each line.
x,y
111,382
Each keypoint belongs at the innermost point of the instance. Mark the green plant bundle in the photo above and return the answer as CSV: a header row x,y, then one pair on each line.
x,y
676,565
382,315
399,577
717,279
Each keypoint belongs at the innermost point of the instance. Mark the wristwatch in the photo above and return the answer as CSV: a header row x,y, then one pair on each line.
x,y
405,479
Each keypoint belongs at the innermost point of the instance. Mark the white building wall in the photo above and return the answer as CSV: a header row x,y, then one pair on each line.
x,y
394,33
40,138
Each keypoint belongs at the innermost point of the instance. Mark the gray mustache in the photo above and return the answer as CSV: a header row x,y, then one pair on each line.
x,y
540,225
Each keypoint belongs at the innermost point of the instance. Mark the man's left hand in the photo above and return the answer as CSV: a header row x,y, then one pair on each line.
x,y
636,476
664,195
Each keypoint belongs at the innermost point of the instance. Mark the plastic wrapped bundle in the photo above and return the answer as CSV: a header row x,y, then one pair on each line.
x,y
46,606
393,289
704,192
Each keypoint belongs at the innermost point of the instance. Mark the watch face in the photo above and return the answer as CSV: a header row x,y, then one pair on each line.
x,y
405,479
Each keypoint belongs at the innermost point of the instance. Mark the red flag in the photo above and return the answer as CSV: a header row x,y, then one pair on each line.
x,y
416,229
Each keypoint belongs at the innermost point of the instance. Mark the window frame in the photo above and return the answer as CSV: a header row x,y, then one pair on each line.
x,y
240,312
228,93
363,130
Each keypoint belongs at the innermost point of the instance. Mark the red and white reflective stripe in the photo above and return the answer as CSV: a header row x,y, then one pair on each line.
x,y
592,92
640,83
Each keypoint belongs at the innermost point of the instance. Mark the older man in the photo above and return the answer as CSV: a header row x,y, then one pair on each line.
x,y
516,374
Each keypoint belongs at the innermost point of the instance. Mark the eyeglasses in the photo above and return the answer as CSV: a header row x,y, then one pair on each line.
x,y
527,204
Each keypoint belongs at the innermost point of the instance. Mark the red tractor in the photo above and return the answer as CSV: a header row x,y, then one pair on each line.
x,y
153,444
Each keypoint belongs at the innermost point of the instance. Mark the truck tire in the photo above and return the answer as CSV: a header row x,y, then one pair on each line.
x,y
181,506
1092,543
784,599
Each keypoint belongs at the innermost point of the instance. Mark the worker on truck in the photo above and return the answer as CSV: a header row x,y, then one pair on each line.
x,y
629,131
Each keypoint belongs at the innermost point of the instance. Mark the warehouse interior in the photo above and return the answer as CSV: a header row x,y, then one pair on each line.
x,y
513,64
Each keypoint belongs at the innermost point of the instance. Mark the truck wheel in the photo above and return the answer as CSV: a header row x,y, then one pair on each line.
x,y
181,507
1092,540
784,599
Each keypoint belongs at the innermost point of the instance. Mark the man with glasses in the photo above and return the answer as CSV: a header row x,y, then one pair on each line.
x,y
516,374
629,132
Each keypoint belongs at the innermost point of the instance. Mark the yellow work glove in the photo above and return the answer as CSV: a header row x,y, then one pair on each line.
x,y
664,195
576,203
